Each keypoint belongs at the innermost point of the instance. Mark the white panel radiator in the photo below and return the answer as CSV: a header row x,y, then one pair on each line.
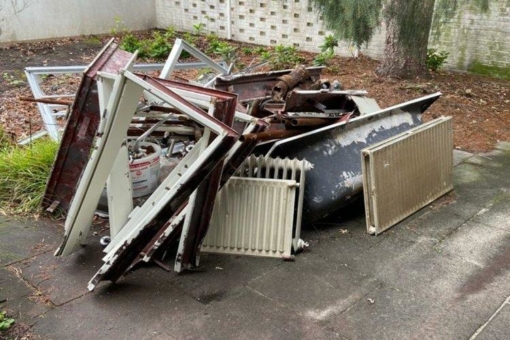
x,y
251,207
406,172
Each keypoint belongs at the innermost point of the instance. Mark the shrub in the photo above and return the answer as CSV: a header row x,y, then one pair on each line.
x,y
436,59
282,57
329,44
158,46
5,322
130,43
322,59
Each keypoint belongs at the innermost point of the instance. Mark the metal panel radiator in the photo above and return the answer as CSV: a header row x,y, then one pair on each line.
x,y
406,172
258,212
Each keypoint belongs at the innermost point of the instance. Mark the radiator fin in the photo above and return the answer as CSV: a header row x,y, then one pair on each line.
x,y
253,216
257,212
406,172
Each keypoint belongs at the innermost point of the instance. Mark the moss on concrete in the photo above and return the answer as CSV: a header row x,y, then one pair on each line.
x,y
489,70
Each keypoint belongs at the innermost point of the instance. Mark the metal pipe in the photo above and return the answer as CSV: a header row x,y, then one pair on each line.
x,y
136,147
306,121
270,135
46,101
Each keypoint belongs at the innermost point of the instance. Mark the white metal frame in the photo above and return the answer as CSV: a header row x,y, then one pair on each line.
x,y
181,45
111,134
194,160
35,77
180,217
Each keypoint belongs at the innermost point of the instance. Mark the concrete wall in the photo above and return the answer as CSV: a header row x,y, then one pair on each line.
x,y
265,22
42,19
476,42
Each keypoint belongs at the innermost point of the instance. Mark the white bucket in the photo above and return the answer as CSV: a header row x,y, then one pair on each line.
x,y
144,172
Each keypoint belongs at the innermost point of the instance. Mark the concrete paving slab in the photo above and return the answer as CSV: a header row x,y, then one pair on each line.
x,y
22,239
435,224
467,312
485,243
496,213
424,295
391,313
503,146
418,267
314,288
386,313
222,274
489,161
140,306
63,279
470,201
341,239
7,258
440,274
20,300
460,156
471,176
498,327
248,315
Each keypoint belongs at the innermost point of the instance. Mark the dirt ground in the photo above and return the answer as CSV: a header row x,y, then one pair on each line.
x,y
480,106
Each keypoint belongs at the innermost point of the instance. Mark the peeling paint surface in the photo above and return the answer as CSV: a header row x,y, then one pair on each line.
x,y
335,152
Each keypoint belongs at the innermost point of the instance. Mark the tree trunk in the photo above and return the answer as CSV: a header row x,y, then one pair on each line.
x,y
408,25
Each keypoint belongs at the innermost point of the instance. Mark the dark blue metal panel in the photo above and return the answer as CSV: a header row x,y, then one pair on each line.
x,y
335,153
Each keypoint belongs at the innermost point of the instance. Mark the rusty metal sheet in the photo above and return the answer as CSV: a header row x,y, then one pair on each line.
x,y
81,128
204,197
259,85
321,101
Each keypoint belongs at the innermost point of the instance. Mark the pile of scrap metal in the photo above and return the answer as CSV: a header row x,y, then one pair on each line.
x,y
260,152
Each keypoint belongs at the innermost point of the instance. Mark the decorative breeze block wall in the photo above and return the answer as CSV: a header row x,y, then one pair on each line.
x,y
271,22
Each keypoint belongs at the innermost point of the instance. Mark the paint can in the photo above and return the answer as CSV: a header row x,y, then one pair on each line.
x,y
144,171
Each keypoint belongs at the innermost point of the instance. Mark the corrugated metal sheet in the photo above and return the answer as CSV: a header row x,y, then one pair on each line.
x,y
404,173
253,216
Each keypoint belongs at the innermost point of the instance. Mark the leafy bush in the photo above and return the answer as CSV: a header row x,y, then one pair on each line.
x,y
322,59
259,50
329,44
23,175
247,51
436,59
192,39
158,46
130,43
199,28
283,57
5,322
328,50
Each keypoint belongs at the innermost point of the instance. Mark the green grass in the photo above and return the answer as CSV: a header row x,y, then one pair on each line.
x,y
23,175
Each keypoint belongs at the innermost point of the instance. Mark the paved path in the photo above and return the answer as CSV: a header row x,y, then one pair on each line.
x,y
443,273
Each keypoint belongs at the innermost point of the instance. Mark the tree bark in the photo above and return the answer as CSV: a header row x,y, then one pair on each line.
x,y
408,25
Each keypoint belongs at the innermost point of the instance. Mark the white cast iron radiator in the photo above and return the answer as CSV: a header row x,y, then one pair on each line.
x,y
258,212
